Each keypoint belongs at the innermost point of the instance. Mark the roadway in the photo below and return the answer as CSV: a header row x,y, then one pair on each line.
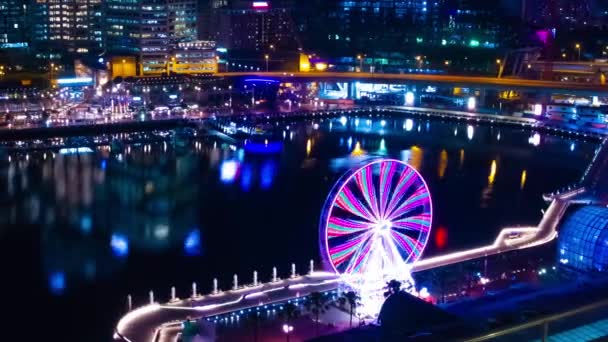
x,y
453,80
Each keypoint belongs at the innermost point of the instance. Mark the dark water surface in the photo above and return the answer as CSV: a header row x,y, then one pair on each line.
x,y
80,232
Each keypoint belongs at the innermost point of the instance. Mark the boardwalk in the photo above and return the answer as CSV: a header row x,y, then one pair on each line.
x,y
145,323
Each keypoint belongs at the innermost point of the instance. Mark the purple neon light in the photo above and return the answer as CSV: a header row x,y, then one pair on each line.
x,y
382,192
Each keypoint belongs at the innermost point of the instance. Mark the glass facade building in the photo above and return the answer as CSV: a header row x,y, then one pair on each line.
x,y
13,15
74,25
583,239
148,29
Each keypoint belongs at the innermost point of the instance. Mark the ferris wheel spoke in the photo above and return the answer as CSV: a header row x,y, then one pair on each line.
x,y
364,180
395,254
339,227
420,222
347,201
410,245
405,181
360,257
344,251
416,199
386,176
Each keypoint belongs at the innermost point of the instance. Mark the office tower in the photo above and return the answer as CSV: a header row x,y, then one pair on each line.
x,y
13,18
148,29
71,25
255,26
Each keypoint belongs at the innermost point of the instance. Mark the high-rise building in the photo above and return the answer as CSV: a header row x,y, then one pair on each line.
x,y
13,16
72,25
148,29
473,24
377,25
247,25
183,20
393,25
559,12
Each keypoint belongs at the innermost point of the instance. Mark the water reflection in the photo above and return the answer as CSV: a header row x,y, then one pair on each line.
x,y
357,151
382,147
308,146
98,213
228,171
443,163
488,191
120,245
492,175
470,132
192,243
534,139
94,209
461,158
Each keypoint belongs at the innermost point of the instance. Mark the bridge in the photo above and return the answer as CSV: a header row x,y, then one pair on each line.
x,y
452,80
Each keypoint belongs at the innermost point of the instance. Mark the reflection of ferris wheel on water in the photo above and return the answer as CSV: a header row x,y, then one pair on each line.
x,y
375,222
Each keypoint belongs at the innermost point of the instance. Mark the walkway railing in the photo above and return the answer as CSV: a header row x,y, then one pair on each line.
x,y
541,322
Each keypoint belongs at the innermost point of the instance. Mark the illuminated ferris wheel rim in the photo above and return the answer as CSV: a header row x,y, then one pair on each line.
x,y
338,188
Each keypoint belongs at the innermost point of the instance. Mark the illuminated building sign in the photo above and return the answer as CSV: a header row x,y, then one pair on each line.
x,y
20,45
75,150
75,81
260,4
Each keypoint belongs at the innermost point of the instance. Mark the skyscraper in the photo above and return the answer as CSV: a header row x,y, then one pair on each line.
x,y
148,28
13,16
246,25
559,12
73,25
183,20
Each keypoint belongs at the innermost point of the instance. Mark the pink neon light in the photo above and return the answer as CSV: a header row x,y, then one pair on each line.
x,y
260,4
378,199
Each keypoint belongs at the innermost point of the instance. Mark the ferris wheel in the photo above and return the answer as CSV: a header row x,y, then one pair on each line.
x,y
376,222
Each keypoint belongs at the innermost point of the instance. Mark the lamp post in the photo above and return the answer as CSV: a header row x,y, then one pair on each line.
x,y
230,101
360,58
419,60
578,48
266,57
499,65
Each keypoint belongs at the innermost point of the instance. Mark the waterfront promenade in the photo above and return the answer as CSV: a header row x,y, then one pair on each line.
x,y
143,324
135,125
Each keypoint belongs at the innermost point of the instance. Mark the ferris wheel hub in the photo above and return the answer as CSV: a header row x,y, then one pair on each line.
x,y
383,227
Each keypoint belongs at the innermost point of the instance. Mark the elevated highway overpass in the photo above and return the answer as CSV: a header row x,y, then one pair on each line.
x,y
450,80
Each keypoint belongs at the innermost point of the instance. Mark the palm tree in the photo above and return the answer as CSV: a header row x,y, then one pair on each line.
x,y
392,287
317,304
289,313
352,299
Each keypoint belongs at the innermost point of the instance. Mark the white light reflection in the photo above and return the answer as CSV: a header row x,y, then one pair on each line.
x,y
470,132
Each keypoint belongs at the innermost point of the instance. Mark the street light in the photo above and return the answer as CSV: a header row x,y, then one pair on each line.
x,y
266,57
230,88
578,48
360,58
419,60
